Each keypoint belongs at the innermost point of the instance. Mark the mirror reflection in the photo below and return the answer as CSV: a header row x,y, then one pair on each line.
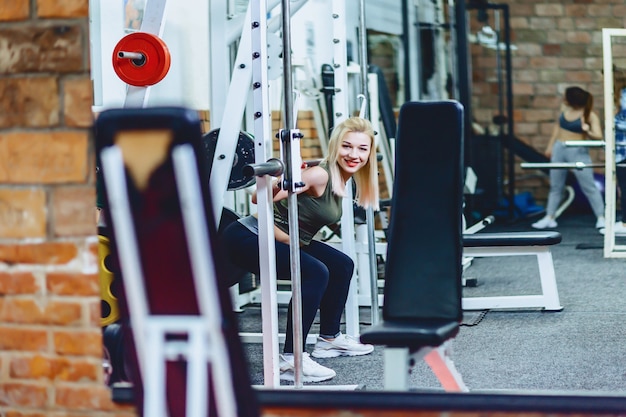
x,y
527,299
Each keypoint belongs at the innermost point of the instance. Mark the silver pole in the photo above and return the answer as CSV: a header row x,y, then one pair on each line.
x,y
292,199
371,244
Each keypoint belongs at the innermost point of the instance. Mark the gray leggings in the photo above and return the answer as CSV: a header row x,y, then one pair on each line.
x,y
562,153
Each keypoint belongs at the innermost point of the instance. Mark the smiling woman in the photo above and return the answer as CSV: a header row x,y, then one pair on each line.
x,y
326,271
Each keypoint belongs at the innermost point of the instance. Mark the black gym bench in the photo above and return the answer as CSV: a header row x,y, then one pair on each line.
x,y
422,297
514,244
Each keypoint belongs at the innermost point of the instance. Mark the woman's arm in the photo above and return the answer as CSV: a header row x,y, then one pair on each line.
x,y
314,179
275,191
555,133
593,129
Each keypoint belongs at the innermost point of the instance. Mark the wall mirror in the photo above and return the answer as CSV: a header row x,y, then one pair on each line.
x,y
573,352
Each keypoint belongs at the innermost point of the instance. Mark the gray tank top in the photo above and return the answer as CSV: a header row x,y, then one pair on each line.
x,y
313,212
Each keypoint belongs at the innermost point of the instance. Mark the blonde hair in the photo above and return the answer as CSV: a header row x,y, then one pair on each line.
x,y
366,179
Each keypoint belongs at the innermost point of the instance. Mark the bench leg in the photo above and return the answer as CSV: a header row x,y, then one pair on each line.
x,y
547,300
548,281
398,362
444,369
396,372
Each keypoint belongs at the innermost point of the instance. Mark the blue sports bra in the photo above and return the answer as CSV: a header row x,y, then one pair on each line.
x,y
575,126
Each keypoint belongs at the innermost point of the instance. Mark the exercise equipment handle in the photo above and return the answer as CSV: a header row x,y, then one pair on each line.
x,y
273,167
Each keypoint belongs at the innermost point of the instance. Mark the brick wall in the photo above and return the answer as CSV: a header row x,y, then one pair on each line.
x,y
50,337
559,45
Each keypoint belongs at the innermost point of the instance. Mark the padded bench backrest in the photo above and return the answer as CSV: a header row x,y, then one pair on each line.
x,y
423,267
146,137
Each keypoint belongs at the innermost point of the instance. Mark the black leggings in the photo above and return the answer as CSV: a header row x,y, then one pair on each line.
x,y
325,275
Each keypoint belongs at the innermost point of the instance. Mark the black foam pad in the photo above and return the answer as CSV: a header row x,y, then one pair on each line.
x,y
424,250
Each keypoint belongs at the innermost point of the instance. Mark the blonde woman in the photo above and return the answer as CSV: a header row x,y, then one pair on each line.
x,y
325,271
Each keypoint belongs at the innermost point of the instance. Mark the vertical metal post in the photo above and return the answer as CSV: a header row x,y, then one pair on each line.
x,y
262,152
292,199
369,213
238,93
340,107
463,76
219,64
509,107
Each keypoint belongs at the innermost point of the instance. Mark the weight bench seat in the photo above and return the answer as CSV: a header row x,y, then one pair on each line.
x,y
516,244
412,334
511,239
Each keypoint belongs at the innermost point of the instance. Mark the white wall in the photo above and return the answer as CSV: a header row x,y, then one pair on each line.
x,y
384,16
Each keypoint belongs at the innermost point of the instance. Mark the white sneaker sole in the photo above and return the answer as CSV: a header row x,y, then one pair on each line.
x,y
334,353
290,376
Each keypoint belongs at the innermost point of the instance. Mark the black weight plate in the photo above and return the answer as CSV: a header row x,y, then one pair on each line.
x,y
244,155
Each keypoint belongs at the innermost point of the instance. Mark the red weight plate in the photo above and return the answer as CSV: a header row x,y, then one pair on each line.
x,y
153,68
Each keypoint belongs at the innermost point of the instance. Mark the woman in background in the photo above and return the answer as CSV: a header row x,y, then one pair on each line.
x,y
577,121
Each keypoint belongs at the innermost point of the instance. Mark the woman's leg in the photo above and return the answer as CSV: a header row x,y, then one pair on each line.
x,y
242,246
587,183
557,179
314,277
340,268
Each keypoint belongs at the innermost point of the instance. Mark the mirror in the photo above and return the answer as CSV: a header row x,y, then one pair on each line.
x,y
614,41
575,350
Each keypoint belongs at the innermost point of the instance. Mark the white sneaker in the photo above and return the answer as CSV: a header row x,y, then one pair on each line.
x,y
619,229
311,370
342,346
600,223
545,223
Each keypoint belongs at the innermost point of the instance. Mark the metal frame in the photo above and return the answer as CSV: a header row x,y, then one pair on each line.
x,y
398,362
340,105
547,300
206,342
262,152
611,249
244,69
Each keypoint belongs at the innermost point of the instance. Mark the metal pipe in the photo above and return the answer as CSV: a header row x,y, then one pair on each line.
x,y
273,167
586,143
509,107
559,165
369,213
463,77
292,199
131,55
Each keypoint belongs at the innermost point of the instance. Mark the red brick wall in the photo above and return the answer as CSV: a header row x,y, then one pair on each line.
x,y
50,337
559,45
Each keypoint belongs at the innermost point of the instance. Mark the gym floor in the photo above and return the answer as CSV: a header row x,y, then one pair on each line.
x,y
580,348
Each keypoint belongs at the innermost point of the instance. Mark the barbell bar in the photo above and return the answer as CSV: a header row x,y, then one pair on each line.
x,y
586,143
